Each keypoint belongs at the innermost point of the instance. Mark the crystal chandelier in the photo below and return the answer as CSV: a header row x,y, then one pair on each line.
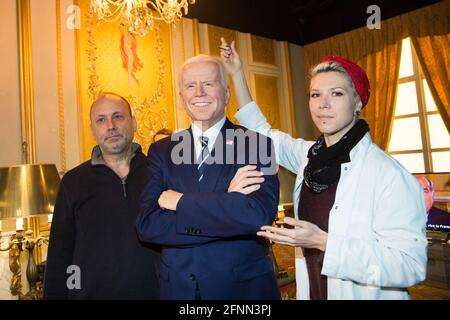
x,y
139,16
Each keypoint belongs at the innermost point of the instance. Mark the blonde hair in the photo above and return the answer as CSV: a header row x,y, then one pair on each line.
x,y
332,66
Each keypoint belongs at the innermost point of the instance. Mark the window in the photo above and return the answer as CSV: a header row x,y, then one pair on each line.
x,y
419,138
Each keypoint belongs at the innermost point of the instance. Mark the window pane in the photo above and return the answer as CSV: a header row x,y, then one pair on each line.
x,y
431,106
406,99
439,136
412,162
441,161
406,135
406,65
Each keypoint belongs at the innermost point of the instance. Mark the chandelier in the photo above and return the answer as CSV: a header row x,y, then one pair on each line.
x,y
138,16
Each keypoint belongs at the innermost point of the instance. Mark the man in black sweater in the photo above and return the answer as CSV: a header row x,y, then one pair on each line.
x,y
94,251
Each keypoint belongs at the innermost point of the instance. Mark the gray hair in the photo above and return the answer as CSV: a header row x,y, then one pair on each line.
x,y
223,77
332,66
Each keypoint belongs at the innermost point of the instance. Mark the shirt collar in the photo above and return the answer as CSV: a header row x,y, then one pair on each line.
x,y
97,157
211,133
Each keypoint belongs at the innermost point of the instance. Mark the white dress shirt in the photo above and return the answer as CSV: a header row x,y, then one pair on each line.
x,y
211,134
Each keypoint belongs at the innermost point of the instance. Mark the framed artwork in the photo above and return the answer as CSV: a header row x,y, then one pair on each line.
x,y
109,59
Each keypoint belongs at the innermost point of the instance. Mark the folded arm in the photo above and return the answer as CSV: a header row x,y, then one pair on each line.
x,y
155,224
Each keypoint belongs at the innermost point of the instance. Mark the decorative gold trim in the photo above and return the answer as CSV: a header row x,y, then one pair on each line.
x,y
80,122
34,224
94,88
183,48
61,122
173,73
196,36
26,81
290,99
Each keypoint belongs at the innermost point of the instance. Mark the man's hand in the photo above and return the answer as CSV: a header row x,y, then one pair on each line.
x,y
169,200
246,180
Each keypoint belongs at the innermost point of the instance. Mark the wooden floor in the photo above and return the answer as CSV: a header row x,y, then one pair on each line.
x,y
426,292
285,260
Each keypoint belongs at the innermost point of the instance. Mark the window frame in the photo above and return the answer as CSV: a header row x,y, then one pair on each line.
x,y
418,77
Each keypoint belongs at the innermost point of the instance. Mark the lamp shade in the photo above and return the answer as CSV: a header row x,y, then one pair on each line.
x,y
28,190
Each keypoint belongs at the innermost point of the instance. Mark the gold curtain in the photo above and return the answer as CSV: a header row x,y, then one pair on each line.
x,y
434,58
382,69
378,51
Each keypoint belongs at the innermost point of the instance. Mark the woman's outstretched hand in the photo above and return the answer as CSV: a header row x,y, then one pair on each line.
x,y
304,234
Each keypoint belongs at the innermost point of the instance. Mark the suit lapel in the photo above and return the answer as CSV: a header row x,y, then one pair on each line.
x,y
219,152
187,171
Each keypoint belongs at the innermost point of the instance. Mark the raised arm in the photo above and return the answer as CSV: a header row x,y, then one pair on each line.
x,y
290,152
233,65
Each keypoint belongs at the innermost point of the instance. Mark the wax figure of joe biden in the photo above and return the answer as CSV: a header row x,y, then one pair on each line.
x,y
203,204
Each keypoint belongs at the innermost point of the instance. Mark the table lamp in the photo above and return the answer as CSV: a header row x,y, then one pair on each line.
x,y
26,191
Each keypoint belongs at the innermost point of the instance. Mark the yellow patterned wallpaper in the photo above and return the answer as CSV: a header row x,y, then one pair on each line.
x,y
139,68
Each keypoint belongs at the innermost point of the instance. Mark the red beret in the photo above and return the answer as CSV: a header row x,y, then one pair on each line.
x,y
357,74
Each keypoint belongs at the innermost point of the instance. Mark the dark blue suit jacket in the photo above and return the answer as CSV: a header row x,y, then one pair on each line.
x,y
210,247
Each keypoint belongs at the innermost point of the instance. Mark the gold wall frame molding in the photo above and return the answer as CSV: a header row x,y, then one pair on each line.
x,y
26,81
27,94
61,118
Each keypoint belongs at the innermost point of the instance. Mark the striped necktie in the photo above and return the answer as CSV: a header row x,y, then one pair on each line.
x,y
204,154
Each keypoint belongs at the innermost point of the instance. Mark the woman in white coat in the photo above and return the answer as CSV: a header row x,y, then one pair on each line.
x,y
359,230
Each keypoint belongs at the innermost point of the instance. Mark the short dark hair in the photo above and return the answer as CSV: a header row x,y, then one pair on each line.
x,y
163,131
106,94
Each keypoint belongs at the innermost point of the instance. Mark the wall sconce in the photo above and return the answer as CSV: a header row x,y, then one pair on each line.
x,y
26,191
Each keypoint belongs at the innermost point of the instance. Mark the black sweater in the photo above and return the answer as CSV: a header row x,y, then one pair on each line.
x,y
93,228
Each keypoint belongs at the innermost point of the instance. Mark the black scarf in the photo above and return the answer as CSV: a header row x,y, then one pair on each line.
x,y
324,165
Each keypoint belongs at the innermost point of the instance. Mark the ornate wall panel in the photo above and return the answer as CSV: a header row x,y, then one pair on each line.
x,y
267,94
139,68
263,50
